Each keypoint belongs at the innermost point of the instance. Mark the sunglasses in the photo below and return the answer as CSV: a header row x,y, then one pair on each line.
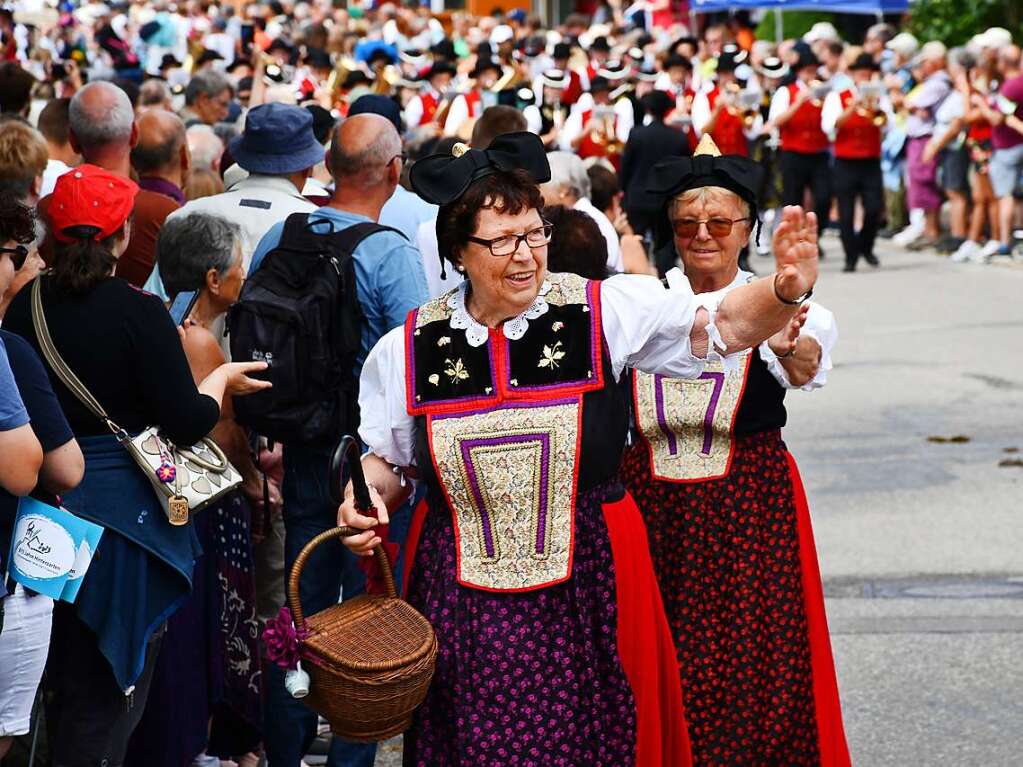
x,y
687,228
18,255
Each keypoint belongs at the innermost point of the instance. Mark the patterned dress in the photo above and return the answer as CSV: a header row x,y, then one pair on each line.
x,y
733,550
526,555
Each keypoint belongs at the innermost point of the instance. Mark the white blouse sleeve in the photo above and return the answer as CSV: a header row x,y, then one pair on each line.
x,y
386,427
647,326
820,326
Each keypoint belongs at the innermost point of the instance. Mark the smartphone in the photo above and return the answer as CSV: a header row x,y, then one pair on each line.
x,y
247,37
182,306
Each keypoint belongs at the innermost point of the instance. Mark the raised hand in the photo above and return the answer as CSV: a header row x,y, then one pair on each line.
x,y
795,252
784,341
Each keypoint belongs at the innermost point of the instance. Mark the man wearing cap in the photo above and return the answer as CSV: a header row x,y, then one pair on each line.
x,y
423,107
923,193
547,118
365,160
717,113
854,122
101,128
575,88
278,151
803,157
470,105
599,52
600,128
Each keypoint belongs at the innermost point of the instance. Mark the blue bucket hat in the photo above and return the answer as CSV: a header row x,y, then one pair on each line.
x,y
278,139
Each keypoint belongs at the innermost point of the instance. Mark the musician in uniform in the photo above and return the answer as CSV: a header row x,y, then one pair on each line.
x,y
560,56
854,118
804,158
599,129
717,112
470,105
422,109
547,118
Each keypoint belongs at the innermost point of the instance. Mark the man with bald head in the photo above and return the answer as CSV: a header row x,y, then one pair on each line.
x,y
365,161
102,129
161,157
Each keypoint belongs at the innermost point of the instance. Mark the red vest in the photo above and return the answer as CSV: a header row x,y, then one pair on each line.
x,y
858,138
728,132
430,104
803,132
474,103
573,90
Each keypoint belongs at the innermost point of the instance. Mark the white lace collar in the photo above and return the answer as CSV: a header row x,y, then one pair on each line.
x,y
476,333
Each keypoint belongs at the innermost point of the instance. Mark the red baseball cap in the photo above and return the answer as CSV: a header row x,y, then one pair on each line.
x,y
90,196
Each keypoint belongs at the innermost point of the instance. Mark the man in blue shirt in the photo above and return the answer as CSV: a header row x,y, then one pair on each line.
x,y
365,160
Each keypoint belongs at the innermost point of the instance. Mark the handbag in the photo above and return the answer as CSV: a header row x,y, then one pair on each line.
x,y
184,479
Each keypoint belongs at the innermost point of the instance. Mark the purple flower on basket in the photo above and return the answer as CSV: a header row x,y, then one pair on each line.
x,y
166,473
282,640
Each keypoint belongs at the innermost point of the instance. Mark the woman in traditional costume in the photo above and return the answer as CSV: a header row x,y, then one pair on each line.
x,y
527,556
724,506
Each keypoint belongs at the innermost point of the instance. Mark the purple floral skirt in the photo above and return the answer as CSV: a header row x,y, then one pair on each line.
x,y
529,678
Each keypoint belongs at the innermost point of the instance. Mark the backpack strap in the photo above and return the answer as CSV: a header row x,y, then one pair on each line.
x,y
345,241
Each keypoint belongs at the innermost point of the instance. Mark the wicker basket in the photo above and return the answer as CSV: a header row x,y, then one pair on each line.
x,y
370,659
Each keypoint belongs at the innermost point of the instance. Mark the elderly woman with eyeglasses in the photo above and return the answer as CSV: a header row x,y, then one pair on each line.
x,y
724,506
527,555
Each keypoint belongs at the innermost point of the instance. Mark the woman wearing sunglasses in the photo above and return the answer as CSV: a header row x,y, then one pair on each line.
x,y
724,506
527,555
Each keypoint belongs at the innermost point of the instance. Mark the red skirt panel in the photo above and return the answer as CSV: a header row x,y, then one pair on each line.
x,y
644,643
738,575
830,732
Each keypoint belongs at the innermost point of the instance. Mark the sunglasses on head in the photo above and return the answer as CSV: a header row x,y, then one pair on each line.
x,y
716,227
18,255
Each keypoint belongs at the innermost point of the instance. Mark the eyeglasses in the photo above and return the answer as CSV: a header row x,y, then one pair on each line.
x,y
717,227
18,255
509,243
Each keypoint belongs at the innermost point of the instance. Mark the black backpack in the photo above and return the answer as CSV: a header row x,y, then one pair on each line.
x,y
300,313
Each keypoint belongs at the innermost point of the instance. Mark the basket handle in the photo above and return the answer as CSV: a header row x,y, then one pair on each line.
x,y
347,451
294,601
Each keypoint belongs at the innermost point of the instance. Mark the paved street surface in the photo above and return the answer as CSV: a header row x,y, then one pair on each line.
x,y
921,542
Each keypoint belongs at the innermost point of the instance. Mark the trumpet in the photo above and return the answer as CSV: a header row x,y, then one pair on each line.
x,y
819,90
870,98
749,105
607,136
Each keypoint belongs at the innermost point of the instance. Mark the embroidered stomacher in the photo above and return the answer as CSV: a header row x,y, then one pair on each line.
x,y
687,423
551,349
509,475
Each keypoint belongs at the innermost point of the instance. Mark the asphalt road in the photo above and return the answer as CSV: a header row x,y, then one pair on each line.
x,y
919,528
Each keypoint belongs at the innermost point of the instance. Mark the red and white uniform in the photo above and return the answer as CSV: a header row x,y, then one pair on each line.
x,y
730,132
802,133
422,108
465,106
858,138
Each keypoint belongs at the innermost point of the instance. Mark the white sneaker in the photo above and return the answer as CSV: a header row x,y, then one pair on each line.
x,y
908,235
984,254
965,251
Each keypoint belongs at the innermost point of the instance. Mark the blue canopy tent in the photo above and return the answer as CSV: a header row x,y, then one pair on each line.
x,y
868,7
871,7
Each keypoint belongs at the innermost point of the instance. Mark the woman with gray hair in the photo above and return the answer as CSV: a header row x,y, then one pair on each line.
x,y
570,186
221,691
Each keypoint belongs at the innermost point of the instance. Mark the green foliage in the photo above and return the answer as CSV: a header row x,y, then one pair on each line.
x,y
794,24
954,22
